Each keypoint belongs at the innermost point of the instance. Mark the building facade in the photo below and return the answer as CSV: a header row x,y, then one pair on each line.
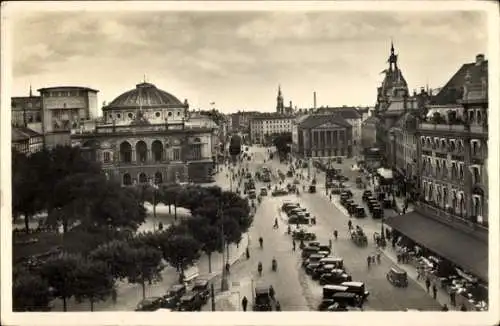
x,y
26,141
64,107
265,126
27,111
453,147
369,129
322,136
145,136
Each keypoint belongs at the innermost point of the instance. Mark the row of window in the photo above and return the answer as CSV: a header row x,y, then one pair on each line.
x,y
451,145
64,93
439,168
131,115
441,196
142,178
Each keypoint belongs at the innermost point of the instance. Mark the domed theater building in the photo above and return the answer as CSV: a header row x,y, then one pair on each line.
x,y
145,136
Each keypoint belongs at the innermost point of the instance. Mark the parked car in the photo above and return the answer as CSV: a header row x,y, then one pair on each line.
x,y
191,301
150,304
335,277
262,300
173,295
202,287
356,287
397,277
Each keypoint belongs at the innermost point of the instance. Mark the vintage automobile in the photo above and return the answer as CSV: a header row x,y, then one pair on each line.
x,y
359,212
357,288
262,300
347,299
322,269
347,193
335,277
367,194
397,277
289,173
303,235
330,290
279,192
298,219
191,301
335,261
377,213
150,304
173,295
263,191
338,159
313,258
289,206
309,250
312,189
202,287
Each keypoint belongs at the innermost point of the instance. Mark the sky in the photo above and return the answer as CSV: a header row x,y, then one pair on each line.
x,y
238,59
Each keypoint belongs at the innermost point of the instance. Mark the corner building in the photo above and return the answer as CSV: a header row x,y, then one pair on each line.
x,y
146,136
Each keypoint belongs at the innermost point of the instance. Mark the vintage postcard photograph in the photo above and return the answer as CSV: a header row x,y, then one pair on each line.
x,y
246,162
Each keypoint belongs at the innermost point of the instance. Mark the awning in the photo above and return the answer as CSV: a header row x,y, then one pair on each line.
x,y
460,248
385,173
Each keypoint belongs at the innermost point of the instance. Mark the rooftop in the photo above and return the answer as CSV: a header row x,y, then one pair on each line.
x,y
145,95
67,88
314,120
347,112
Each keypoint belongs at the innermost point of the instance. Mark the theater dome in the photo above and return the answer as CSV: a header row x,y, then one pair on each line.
x,y
145,95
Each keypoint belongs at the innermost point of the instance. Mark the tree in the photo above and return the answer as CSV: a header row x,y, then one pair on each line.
x,y
282,142
146,266
209,236
180,250
26,199
94,282
60,274
116,255
30,292
169,194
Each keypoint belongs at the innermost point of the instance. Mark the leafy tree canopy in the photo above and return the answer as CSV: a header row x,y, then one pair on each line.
x,y
30,292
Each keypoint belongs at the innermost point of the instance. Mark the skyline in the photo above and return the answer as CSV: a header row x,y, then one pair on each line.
x,y
221,57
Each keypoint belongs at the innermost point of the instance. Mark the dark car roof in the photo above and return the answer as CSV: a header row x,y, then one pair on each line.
x,y
261,289
344,295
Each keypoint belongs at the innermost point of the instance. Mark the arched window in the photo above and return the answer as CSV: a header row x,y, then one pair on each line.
x,y
431,192
445,196
143,178
125,152
439,198
445,169
462,204
454,200
438,168
158,178
141,150
127,180
157,149
477,207
461,171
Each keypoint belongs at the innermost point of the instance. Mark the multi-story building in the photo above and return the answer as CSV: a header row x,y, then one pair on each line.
x,y
240,121
63,108
27,111
145,136
320,135
267,125
26,141
451,215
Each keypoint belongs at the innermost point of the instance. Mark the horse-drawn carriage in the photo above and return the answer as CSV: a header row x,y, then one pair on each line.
x,y
359,237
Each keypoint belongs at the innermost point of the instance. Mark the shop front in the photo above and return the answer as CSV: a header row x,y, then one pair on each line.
x,y
450,258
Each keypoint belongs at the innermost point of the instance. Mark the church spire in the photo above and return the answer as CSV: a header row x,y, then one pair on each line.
x,y
393,58
280,104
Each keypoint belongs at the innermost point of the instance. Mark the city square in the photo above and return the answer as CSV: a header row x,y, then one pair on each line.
x,y
231,186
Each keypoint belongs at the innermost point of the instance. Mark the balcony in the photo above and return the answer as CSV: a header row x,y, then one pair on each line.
x,y
442,127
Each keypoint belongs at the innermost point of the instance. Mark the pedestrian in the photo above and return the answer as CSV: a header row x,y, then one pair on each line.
x,y
453,298
271,292
330,196
445,308
398,256
419,272
427,284
330,243
434,291
368,261
244,303
378,258
462,308
248,253
114,295
227,267
293,245
278,306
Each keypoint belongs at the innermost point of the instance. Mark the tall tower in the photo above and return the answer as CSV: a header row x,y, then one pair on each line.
x,y
393,59
280,107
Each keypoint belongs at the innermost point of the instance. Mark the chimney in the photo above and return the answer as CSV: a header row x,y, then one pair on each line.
x,y
314,100
479,59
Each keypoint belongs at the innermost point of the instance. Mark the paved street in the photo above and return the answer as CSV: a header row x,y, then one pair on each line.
x,y
297,291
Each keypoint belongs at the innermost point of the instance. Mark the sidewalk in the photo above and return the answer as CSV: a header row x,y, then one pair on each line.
x,y
442,296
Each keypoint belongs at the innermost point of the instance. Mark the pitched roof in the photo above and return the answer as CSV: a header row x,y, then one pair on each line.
x,y
453,90
29,132
17,135
347,112
315,120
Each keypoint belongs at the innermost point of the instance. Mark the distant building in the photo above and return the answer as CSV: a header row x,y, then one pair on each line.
x,y
145,136
280,105
27,111
320,135
240,121
26,141
266,125
350,114
64,107
369,129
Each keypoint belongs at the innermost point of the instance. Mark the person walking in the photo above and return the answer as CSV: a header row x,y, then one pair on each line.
x,y
427,284
247,253
434,291
244,303
453,298
114,295
293,245
445,308
278,306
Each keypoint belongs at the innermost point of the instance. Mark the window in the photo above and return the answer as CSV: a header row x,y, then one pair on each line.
x,y
461,171
471,116
130,115
107,157
445,169
176,154
476,175
127,180
157,114
169,113
479,116
118,115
